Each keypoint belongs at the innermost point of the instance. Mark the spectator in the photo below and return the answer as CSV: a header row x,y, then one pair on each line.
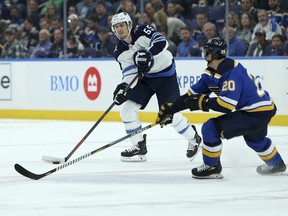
x,y
102,13
271,28
236,46
43,47
170,9
187,43
171,24
275,13
171,45
198,34
85,8
74,27
52,12
12,48
89,37
261,46
56,50
157,4
149,9
44,23
233,21
15,18
210,31
72,10
277,46
107,43
29,36
147,20
21,6
72,48
33,13
130,8
247,25
247,6
56,23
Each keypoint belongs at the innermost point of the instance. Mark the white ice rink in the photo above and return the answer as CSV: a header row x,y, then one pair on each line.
x,y
102,185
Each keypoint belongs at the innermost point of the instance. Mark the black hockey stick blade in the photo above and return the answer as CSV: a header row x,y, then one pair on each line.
x,y
21,170
56,160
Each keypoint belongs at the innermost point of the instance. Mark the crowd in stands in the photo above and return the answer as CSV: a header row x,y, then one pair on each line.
x,y
34,28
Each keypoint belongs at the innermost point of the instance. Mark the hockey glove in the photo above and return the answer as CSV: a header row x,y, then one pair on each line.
x,y
197,102
120,95
165,115
144,62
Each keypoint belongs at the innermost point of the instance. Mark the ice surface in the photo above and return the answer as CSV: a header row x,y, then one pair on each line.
x,y
102,185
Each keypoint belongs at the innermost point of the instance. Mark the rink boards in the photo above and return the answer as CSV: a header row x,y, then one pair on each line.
x,y
83,89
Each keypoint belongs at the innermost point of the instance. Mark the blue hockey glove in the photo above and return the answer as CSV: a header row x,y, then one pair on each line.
x,y
120,95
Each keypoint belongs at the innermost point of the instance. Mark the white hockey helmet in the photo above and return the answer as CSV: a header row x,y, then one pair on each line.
x,y
119,18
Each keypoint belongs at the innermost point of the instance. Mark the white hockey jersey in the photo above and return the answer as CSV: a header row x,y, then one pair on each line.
x,y
145,37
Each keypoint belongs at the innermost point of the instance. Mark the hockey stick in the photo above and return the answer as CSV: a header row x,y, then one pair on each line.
x,y
56,160
34,176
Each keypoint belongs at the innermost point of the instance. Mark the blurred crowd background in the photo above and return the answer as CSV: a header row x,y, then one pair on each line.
x,y
35,28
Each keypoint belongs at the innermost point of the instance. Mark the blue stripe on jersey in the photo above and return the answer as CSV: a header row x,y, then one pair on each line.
x,y
164,73
128,68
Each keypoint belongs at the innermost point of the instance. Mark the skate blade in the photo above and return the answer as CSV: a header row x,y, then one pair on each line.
x,y
275,174
212,176
136,158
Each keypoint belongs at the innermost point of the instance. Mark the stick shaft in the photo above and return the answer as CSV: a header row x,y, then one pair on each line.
x,y
34,176
97,123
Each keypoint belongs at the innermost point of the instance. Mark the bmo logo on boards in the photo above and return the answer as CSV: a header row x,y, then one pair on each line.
x,y
92,83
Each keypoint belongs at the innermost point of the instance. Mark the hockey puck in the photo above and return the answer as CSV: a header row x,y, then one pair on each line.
x,y
56,162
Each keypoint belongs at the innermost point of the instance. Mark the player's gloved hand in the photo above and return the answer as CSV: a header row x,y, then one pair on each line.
x,y
197,102
165,115
120,95
144,62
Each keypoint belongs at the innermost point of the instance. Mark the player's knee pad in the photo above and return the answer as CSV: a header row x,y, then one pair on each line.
x,y
129,111
210,133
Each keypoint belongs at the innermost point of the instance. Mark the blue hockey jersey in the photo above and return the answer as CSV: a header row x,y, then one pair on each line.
x,y
235,87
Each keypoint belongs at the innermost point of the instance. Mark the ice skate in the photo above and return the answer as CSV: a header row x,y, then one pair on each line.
x,y
193,145
271,170
207,172
136,153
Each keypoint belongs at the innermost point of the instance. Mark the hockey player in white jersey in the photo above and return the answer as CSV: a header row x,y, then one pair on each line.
x,y
142,51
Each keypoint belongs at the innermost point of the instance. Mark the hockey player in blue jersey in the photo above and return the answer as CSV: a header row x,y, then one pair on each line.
x,y
142,51
247,106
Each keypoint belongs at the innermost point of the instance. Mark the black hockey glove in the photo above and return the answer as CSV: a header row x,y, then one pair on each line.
x,y
120,95
165,115
197,102
144,62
